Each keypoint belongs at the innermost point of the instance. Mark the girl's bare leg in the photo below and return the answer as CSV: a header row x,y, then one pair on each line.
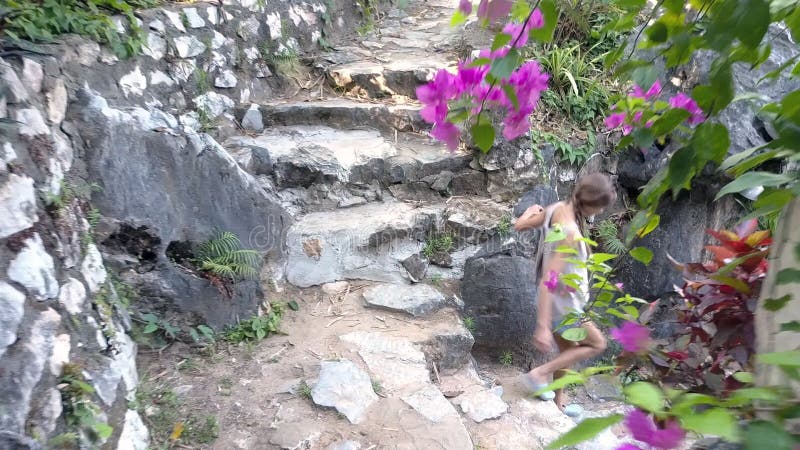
x,y
593,345
561,399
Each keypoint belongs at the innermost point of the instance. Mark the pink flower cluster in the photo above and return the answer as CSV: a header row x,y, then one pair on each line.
x,y
632,336
469,83
629,122
644,429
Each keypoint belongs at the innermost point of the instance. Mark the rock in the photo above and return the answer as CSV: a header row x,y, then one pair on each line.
x,y
32,75
135,435
415,191
295,436
133,83
450,347
395,362
347,388
213,104
32,123
344,445
56,102
253,120
12,304
25,367
416,265
416,300
188,46
158,77
72,296
17,202
13,441
226,80
336,288
353,243
254,160
442,181
46,413
175,19
156,46
441,259
539,195
60,356
33,268
430,402
92,268
194,19
16,92
157,25
483,405
603,388
468,183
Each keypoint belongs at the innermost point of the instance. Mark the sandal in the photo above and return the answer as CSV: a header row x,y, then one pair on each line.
x,y
536,387
573,410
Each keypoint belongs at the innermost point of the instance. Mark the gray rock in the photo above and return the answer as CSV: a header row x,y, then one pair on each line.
x,y
415,191
254,160
345,445
157,25
468,183
249,29
482,405
13,441
158,77
92,268
133,83
295,436
226,80
135,435
16,92
539,195
175,19
188,46
33,268
56,102
17,202
32,122
253,120
46,413
416,299
72,296
193,18
603,388
23,369
442,181
213,104
449,347
156,46
12,303
32,75
347,388
416,265
395,362
61,348
430,402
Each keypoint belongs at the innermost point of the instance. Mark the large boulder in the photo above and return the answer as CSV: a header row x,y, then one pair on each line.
x,y
176,189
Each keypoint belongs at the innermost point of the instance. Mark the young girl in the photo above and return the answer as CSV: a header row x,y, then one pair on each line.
x,y
591,195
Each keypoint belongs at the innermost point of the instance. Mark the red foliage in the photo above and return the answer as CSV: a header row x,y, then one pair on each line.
x,y
720,299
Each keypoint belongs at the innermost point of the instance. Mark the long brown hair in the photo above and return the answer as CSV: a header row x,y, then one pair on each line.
x,y
594,190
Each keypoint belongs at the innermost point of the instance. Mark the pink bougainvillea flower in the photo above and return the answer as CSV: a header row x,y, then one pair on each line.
x,y
626,129
654,90
447,133
628,447
632,336
614,120
516,124
465,7
645,430
683,101
494,10
519,33
551,283
620,286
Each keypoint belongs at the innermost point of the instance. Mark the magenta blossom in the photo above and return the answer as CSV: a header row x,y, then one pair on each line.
x,y
447,133
619,286
654,90
552,281
628,447
614,120
465,7
494,10
519,34
645,430
683,101
632,336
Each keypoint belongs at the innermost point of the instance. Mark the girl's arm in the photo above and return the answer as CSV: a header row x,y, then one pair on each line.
x,y
533,217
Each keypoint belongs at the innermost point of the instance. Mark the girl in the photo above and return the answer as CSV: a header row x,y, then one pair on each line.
x,y
590,196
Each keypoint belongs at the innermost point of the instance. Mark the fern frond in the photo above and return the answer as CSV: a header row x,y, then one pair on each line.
x,y
608,234
222,243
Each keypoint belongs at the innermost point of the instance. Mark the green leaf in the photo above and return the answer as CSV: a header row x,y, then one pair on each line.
x,y
776,304
564,381
500,40
293,305
512,95
555,234
458,18
681,170
669,120
715,422
103,430
657,32
743,377
478,62
710,142
753,179
760,432
585,430
642,254
789,358
746,396
793,326
505,66
644,76
550,14
739,157
483,134
645,395
793,22
574,334
788,276
150,328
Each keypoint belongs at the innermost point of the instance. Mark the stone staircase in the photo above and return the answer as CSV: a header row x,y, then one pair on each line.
x,y
368,190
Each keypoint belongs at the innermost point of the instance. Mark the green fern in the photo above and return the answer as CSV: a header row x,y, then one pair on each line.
x,y
224,256
608,233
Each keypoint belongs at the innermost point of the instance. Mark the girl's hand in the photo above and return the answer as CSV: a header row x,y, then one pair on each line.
x,y
543,340
529,218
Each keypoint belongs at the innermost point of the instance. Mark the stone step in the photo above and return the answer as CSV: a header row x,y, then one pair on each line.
x,y
338,113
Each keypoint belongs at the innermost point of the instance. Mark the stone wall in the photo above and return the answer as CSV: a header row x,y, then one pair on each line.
x,y
102,168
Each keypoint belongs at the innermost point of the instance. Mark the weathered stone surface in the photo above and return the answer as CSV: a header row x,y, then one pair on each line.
x,y
345,445
539,195
416,300
295,436
92,268
32,75
188,46
32,122
347,388
213,104
430,402
482,405
193,18
133,83
72,296
17,203
400,76
12,304
61,348
416,265
353,243
175,19
14,441
468,183
225,80
473,219
156,46
135,435
23,369
395,362
449,347
56,102
16,92
253,120
33,268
